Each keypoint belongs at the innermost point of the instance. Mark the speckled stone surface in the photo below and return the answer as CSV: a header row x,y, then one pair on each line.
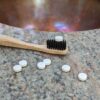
x,y
51,83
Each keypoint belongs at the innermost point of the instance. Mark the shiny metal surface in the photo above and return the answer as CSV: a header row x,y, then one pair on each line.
x,y
51,15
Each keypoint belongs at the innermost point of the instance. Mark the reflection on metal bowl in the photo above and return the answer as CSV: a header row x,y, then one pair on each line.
x,y
51,15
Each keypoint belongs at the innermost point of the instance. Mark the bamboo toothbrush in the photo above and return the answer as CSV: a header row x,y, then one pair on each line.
x,y
56,46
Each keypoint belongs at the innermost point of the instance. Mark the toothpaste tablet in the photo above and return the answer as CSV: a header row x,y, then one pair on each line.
x,y
59,38
82,76
66,68
17,68
47,61
41,65
23,63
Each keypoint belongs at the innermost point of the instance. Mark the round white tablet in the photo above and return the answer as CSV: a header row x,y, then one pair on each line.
x,y
66,68
17,68
82,76
41,65
59,38
23,63
47,61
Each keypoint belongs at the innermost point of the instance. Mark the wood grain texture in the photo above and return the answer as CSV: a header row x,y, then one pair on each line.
x,y
12,42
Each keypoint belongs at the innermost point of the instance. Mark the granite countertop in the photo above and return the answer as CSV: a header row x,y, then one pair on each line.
x,y
51,83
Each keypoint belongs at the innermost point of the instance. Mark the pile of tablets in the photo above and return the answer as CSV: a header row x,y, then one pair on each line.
x,y
18,68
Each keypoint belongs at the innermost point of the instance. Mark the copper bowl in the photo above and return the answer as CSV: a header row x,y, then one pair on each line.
x,y
51,15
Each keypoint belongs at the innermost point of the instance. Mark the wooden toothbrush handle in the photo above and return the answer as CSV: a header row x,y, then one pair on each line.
x,y
12,42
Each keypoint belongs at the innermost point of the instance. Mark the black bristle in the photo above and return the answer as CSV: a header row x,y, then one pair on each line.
x,y
52,44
